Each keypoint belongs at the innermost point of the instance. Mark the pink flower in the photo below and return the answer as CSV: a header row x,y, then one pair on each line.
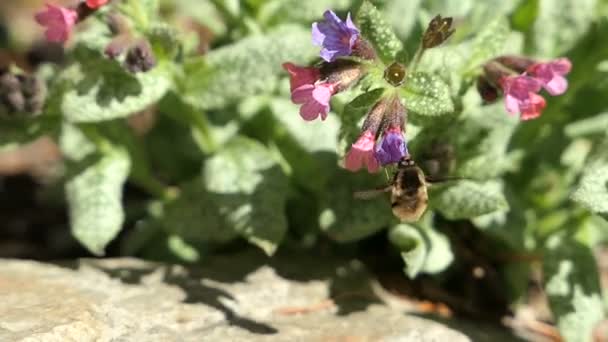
x,y
362,154
551,75
59,22
521,96
314,99
95,4
300,76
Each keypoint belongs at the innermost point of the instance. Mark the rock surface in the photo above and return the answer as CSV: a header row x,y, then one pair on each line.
x,y
236,298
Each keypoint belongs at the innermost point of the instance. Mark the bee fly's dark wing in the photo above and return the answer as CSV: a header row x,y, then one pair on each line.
x,y
369,194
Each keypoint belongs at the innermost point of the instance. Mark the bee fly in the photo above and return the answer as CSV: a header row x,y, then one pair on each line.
x,y
409,198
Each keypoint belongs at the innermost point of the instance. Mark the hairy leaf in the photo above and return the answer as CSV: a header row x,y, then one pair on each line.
x,y
560,24
242,192
592,191
468,199
245,68
572,284
345,218
489,43
423,249
427,94
105,91
94,197
378,32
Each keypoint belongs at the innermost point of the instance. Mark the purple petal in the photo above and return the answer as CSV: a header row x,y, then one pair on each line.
x,y
392,148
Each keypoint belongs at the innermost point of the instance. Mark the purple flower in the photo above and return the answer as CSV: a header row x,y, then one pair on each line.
x,y
362,154
335,36
314,99
392,147
521,96
551,75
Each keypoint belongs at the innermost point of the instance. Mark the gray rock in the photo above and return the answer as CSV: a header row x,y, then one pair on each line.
x,y
236,298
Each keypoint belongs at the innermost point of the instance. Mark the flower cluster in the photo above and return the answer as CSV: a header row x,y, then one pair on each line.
x,y
347,57
60,21
520,79
382,139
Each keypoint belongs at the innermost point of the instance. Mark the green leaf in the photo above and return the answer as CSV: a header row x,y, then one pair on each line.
x,y
242,192
313,136
597,124
560,24
378,32
194,216
402,16
289,11
94,197
18,131
468,199
592,192
250,189
423,249
105,91
346,219
245,68
412,245
427,94
572,285
489,43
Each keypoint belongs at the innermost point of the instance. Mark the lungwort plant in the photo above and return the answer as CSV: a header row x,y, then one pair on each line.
x,y
242,148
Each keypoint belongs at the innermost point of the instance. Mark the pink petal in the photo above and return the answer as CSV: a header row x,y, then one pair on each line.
x,y
533,107
362,154
511,104
557,86
59,22
561,66
300,76
302,94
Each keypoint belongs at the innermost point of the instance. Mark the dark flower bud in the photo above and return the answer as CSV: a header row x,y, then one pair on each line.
x,y
14,101
8,82
375,116
140,58
438,31
21,93
341,73
519,64
117,46
494,72
34,91
395,74
396,114
364,49
488,92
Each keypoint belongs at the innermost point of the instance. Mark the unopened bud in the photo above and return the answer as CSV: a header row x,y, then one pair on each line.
x,y
488,92
341,73
364,49
518,64
396,114
117,46
494,72
375,116
438,31
140,58
21,93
